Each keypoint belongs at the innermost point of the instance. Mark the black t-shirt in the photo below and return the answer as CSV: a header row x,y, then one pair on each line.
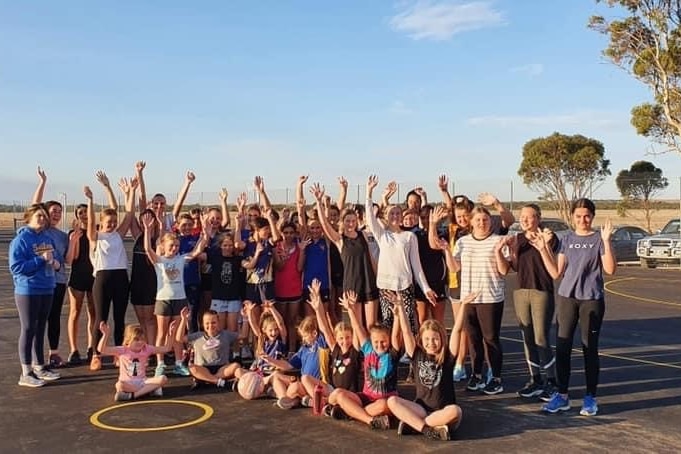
x,y
81,264
532,273
434,383
142,272
346,369
432,260
228,276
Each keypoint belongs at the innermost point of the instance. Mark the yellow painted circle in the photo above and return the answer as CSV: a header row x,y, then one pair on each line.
x,y
207,413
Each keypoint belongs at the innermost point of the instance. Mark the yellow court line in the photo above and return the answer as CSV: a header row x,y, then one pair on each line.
x,y
610,355
207,413
634,297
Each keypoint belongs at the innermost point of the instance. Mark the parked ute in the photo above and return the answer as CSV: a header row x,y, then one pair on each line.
x,y
664,247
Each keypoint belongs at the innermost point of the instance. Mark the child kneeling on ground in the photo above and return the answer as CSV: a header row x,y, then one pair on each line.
x,y
132,359
212,348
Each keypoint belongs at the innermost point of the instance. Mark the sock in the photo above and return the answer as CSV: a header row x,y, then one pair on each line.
x,y
179,363
38,367
220,383
26,369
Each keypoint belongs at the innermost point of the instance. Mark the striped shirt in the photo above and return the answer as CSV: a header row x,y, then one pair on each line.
x,y
479,271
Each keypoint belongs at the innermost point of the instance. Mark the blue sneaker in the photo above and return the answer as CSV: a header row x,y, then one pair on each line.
x,y
181,369
160,370
589,407
556,404
460,373
488,377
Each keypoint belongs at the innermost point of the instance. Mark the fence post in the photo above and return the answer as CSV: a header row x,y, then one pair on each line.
x,y
511,201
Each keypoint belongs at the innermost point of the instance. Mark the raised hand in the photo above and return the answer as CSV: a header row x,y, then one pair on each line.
x,y
104,328
223,194
372,182
259,183
173,328
443,182
303,179
88,192
606,230
241,201
390,190
42,176
184,313
139,166
537,240
267,306
343,182
348,300
148,221
102,178
190,177
487,199
124,184
439,213
420,191
248,307
304,243
76,234
317,191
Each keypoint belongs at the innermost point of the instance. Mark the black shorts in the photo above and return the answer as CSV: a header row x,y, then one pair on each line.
x,y
439,288
206,282
256,292
142,293
81,281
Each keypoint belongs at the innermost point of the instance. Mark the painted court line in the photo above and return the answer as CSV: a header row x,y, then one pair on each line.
x,y
638,298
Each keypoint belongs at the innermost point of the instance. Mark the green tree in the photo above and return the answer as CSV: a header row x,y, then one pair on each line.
x,y
647,44
639,184
563,168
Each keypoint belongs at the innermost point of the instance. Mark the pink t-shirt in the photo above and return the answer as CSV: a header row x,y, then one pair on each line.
x,y
288,281
133,365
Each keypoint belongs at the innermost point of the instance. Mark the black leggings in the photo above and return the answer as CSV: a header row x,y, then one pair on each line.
x,y
482,323
110,285
590,314
54,320
33,312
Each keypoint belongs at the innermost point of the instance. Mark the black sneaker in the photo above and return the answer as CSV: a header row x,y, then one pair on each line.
x,y
405,429
531,389
494,386
74,359
337,413
475,383
380,422
436,433
88,356
194,385
549,389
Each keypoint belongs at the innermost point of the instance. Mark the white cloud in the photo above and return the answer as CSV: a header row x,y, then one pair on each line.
x,y
531,69
574,119
440,20
400,108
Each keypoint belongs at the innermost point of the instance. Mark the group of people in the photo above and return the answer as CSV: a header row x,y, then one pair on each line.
x,y
280,281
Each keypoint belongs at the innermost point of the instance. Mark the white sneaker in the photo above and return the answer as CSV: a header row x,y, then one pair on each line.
x,y
46,374
31,381
158,392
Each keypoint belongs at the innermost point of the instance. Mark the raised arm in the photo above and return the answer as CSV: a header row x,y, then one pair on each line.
x,y
254,324
238,243
74,245
270,307
226,219
170,338
453,263
502,264
148,221
436,216
488,199
40,189
259,184
241,201
182,195
343,195
91,224
128,188
455,337
180,335
373,223
103,346
608,258
423,195
139,173
315,302
318,192
542,242
443,184
407,335
388,192
349,302
104,180
274,228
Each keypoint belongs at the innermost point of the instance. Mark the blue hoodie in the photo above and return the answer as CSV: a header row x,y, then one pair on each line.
x,y
30,272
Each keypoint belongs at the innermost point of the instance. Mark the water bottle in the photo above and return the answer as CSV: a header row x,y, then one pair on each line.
x,y
318,400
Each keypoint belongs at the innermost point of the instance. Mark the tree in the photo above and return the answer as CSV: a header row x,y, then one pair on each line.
x,y
563,168
639,184
647,44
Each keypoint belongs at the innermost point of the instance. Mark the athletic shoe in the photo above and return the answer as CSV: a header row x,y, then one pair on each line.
x,y
405,429
158,392
493,386
246,352
488,376
589,407
235,385
380,422
74,359
96,362
338,413
287,403
30,381
556,404
56,360
46,374
194,385
89,354
459,373
160,370
475,383
531,389
181,369
121,396
306,401
436,433
221,383
549,388
326,411
405,359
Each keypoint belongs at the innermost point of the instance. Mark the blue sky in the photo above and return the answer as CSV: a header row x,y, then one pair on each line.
x,y
405,89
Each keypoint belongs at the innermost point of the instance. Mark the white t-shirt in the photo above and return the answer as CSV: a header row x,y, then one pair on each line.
x,y
109,252
170,278
479,271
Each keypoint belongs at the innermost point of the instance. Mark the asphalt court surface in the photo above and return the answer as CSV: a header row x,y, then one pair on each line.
x,y
639,397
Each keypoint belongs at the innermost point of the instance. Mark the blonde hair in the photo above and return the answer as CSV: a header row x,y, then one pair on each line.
x,y
434,325
265,320
131,333
308,325
342,327
378,328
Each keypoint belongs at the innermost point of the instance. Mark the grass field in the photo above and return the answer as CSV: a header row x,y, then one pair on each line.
x,y
634,217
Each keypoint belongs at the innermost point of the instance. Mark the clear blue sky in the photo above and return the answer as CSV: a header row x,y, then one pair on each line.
x,y
405,89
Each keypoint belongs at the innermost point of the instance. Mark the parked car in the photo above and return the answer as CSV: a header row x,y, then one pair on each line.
x,y
664,247
559,227
625,240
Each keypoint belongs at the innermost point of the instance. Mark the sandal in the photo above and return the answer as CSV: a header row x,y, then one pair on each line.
x,y
96,363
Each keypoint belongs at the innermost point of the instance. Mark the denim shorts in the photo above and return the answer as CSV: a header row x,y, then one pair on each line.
x,y
222,306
